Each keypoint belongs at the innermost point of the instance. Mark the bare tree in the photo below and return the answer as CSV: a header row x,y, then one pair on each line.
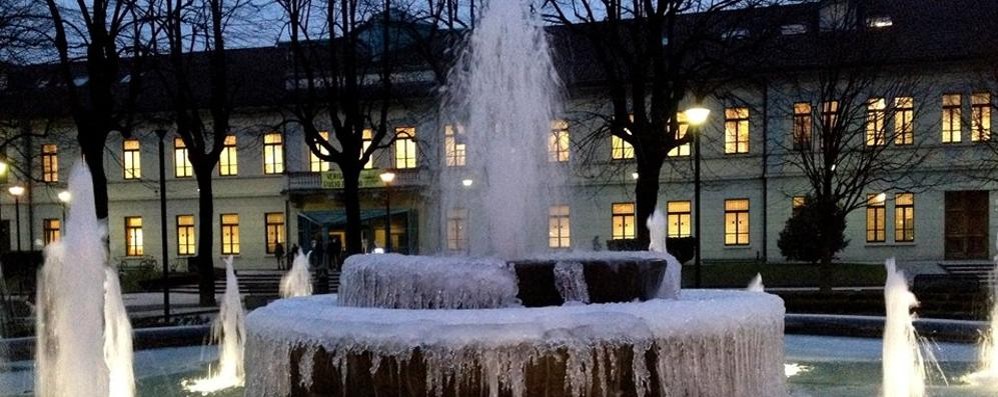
x,y
650,57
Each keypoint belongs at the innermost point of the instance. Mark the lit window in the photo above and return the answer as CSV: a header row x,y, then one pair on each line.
x,y
622,221
133,158
559,228
366,140
879,22
186,242
454,147
228,163
51,229
980,116
230,234
678,218
736,222
50,163
875,114
876,218
904,121
904,217
736,130
181,163
558,141
457,229
316,164
951,118
797,204
405,147
684,126
133,236
273,153
829,115
802,125
275,230
620,149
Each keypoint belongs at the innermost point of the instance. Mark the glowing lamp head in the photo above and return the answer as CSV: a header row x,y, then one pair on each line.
x,y
634,175
65,196
16,190
387,177
697,115
467,182
880,197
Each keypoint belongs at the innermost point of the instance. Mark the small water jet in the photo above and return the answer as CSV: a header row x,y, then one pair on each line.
x,y
229,330
903,363
297,281
756,284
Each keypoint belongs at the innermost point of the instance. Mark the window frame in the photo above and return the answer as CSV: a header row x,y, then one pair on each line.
x,y
405,142
980,116
134,237
229,234
51,234
182,167
739,216
186,235
876,121
904,217
680,218
50,163
455,150
876,211
131,159
952,130
627,218
737,130
457,229
273,153
316,164
904,121
683,127
273,228
559,226
559,142
802,130
228,159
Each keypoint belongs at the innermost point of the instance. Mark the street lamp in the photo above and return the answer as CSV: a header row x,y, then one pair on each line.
x,y
696,117
161,134
17,191
64,197
467,182
387,177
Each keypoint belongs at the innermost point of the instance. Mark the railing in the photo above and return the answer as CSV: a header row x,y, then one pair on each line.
x,y
298,181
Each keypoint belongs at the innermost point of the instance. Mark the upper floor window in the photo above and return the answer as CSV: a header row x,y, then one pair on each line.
x,y
904,217
316,164
133,158
980,116
51,229
50,162
230,234
133,236
366,140
678,218
829,115
620,149
405,147
558,142
559,227
455,154
876,109
273,153
876,218
802,125
904,121
736,222
797,204
951,118
228,163
736,130
622,221
182,167
684,126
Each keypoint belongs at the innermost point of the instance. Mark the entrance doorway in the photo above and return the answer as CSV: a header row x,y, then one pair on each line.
x,y
966,225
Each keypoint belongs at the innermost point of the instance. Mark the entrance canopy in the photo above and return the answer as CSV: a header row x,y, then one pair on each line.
x,y
334,218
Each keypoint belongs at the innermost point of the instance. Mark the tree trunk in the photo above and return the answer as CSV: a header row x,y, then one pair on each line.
x,y
206,217
825,270
93,155
351,204
646,194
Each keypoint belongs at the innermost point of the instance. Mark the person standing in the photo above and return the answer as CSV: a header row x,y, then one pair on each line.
x,y
279,255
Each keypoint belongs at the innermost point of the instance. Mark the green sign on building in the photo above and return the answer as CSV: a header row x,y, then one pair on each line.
x,y
334,179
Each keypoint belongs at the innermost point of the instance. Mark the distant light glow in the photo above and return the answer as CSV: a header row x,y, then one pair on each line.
x,y
65,196
697,115
467,182
16,190
379,250
634,175
794,369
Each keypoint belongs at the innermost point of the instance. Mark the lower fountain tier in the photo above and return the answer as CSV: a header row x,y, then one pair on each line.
x,y
707,343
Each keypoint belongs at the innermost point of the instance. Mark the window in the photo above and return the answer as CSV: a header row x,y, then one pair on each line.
x,y
50,163
558,142
366,139
275,230
181,163
829,115
622,221
133,158
273,153
230,234
736,222
620,149
559,229
879,22
904,217
185,235
457,229
736,130
876,218
951,118
229,162
904,121
793,29
316,164
405,147
454,151
684,126
797,204
51,229
678,216
980,116
876,109
802,125
133,236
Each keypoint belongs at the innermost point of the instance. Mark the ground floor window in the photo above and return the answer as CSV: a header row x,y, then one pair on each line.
x,y
736,222
678,217
52,229
904,217
559,229
622,220
876,218
457,229
230,234
185,235
275,230
133,236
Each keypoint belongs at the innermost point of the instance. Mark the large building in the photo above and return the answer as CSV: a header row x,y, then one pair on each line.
x,y
269,188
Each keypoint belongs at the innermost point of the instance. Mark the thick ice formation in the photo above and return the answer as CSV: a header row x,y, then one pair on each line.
x,y
709,343
672,280
297,282
570,280
229,330
423,282
903,366
83,337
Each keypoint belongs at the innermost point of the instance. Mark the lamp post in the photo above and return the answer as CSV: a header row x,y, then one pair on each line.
x,y
387,177
64,197
3,179
696,116
17,191
161,133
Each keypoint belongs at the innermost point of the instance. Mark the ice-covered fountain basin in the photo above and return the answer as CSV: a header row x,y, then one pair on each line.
x,y
452,282
313,345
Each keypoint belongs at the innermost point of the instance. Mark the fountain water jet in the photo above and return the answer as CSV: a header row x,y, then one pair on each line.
x,y
903,363
83,335
672,282
756,284
229,330
298,281
987,372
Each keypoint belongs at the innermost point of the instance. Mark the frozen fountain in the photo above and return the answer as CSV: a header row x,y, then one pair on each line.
x,y
511,320
987,373
298,281
229,330
84,340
